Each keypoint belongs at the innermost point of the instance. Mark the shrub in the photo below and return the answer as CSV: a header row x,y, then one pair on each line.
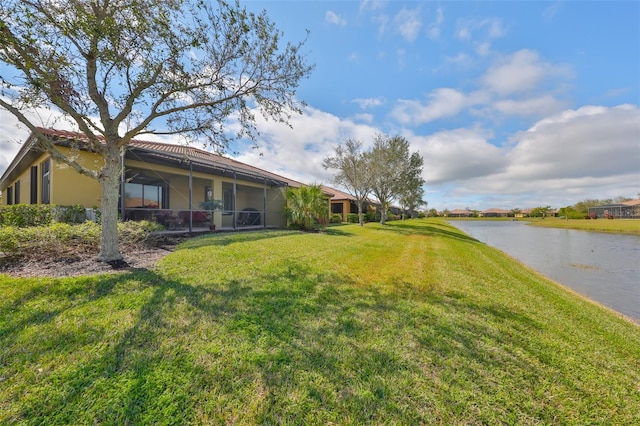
x,y
70,214
25,215
336,218
62,239
306,207
352,218
135,233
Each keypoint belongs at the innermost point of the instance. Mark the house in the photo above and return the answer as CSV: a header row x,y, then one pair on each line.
x,y
161,182
625,210
344,203
460,213
494,213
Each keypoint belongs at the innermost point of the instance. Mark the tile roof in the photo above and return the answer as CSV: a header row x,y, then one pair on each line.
x,y
176,151
494,210
337,194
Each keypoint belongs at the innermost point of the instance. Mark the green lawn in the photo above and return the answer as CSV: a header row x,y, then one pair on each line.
x,y
623,226
410,323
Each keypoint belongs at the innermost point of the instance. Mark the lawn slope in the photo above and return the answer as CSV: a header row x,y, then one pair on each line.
x,y
409,323
617,226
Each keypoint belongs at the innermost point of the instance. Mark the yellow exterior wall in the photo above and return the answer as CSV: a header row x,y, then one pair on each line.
x,y
25,188
68,187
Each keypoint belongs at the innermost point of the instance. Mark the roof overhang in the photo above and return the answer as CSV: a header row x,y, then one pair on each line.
x,y
186,163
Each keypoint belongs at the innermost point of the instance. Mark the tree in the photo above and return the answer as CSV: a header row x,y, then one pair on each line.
x,y
120,69
307,206
541,211
394,171
353,172
583,206
411,198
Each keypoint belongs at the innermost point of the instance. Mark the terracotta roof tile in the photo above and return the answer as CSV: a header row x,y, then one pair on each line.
x,y
190,152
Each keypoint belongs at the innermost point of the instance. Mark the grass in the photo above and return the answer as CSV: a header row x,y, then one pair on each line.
x,y
621,226
410,323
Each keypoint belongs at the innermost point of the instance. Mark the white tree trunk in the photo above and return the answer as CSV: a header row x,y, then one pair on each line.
x,y
110,182
383,214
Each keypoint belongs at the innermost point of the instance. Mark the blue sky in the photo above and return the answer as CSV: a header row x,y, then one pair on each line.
x,y
511,104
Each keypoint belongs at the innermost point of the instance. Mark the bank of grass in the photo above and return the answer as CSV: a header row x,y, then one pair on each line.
x,y
620,226
410,323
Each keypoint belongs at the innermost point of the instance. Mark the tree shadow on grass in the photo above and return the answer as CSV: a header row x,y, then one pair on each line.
x,y
294,343
407,228
226,238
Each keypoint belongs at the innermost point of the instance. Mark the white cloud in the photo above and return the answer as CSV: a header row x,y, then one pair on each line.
x,y
441,103
366,103
365,118
382,21
489,28
353,57
298,152
590,152
335,19
521,72
13,134
531,107
551,11
483,49
589,142
458,155
408,23
434,29
461,59
372,5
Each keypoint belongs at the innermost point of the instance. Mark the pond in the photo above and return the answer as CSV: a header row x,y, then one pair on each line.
x,y
603,267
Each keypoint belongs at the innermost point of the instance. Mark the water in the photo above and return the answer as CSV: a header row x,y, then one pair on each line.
x,y
602,267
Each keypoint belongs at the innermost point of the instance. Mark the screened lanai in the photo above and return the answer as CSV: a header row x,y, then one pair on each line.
x,y
177,189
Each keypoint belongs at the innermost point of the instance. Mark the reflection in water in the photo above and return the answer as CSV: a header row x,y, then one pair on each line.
x,y
603,267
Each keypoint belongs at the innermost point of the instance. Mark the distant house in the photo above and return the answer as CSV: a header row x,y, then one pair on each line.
x,y
460,213
162,182
530,211
494,213
343,203
625,210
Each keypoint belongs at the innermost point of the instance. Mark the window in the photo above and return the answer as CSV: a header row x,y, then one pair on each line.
x,y
16,196
142,191
9,195
139,195
46,181
34,185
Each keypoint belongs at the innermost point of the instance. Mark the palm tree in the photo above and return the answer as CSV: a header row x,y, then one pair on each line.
x,y
306,207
